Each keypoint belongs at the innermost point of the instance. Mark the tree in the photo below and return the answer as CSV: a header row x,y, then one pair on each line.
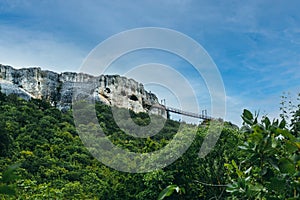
x,y
269,165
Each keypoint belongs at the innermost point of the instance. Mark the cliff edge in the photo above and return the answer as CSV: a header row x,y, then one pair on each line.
x,y
58,88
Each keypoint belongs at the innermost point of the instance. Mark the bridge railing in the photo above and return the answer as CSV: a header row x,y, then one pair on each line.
x,y
190,114
182,112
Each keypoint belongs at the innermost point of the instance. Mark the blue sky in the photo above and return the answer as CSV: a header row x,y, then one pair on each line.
x,y
255,44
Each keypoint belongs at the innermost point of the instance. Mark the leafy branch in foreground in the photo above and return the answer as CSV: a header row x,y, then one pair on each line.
x,y
269,165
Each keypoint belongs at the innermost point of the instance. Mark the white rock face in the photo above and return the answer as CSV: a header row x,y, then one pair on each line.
x,y
57,88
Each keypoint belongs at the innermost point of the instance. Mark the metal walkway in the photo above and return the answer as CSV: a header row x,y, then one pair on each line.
x,y
203,115
190,114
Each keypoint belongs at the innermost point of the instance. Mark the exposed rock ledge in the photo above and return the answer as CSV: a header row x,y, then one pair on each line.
x,y
58,88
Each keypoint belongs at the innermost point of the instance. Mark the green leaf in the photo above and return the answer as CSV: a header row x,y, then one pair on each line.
x,y
275,122
168,191
247,117
290,147
247,114
267,122
296,158
243,147
248,170
256,137
274,163
264,171
246,129
238,171
297,144
231,188
256,187
274,142
234,164
282,124
286,166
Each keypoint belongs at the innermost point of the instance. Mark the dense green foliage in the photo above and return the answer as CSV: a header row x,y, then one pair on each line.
x,y
252,163
268,164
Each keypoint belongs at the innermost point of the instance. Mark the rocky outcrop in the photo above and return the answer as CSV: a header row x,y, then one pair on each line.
x,y
59,89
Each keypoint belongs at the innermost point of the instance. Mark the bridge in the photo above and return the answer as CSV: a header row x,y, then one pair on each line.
x,y
202,116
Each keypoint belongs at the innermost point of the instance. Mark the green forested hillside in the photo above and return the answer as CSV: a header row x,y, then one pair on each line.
x,y
42,157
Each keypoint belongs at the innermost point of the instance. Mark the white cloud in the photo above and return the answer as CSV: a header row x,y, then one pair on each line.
x,y
21,48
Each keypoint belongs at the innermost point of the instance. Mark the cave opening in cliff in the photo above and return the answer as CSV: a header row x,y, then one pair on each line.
x,y
133,98
107,90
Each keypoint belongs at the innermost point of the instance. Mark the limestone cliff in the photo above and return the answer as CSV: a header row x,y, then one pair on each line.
x,y
58,88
